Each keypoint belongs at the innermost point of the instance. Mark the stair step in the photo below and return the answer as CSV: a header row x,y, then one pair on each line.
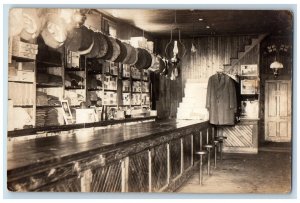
x,y
240,54
248,47
234,61
254,41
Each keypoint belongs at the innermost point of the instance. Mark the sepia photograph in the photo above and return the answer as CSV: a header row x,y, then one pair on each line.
x,y
149,100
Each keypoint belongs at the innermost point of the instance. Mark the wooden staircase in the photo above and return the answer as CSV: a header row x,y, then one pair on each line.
x,y
231,68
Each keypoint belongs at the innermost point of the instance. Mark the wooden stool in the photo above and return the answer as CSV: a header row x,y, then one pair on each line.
x,y
201,153
216,142
220,139
208,148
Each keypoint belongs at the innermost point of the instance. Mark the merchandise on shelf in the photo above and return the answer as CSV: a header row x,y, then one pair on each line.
x,y
126,71
23,49
126,86
136,86
135,73
21,93
136,99
21,71
114,69
126,98
145,86
75,97
73,59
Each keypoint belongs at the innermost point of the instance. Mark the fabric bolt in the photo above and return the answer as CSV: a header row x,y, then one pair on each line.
x,y
41,99
221,100
44,78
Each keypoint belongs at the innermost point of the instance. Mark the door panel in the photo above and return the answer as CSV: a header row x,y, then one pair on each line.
x,y
272,129
278,110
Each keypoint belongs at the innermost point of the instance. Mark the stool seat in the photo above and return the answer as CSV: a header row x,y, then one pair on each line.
x,y
222,138
201,152
216,142
208,146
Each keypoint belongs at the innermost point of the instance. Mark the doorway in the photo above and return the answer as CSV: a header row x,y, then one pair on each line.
x,y
278,110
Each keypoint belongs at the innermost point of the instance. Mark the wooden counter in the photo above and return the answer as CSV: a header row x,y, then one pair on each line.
x,y
242,138
146,157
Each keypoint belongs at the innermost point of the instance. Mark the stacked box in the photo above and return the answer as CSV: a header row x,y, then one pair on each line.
x,y
114,69
126,87
126,71
110,98
126,98
23,49
135,73
73,59
136,86
145,99
136,99
145,87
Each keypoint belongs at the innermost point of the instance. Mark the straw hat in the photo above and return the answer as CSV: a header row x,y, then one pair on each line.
x,y
32,24
54,32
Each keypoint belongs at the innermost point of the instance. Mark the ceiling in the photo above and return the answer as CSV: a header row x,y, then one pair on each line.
x,y
221,22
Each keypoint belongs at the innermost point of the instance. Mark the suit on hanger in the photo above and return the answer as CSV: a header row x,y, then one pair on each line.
x,y
221,99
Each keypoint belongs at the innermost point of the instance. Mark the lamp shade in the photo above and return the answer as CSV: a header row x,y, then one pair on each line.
x,y
276,65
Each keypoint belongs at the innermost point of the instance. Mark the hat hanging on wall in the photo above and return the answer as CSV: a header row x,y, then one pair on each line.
x,y
32,23
54,31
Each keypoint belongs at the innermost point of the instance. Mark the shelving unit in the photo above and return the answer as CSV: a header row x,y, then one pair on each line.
x,y
250,93
21,85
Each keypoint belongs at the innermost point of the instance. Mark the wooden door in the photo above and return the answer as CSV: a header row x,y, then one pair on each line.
x,y
278,111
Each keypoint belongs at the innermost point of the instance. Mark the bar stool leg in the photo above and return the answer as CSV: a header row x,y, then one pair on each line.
x,y
200,174
216,151
208,162
221,147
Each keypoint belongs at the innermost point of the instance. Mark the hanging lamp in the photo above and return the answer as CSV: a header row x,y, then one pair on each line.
x,y
175,49
193,48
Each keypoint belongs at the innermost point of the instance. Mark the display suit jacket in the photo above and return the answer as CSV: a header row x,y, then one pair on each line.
x,y
221,99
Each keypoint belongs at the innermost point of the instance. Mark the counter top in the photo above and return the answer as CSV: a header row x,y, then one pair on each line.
x,y
80,142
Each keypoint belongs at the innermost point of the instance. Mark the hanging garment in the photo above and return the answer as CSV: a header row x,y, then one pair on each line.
x,y
221,99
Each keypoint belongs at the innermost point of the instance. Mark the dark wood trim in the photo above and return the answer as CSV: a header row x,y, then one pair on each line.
x,y
30,131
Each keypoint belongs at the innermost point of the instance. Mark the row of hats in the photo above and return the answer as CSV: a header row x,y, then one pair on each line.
x,y
58,32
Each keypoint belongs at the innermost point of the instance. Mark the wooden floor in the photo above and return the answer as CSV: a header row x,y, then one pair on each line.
x,y
267,172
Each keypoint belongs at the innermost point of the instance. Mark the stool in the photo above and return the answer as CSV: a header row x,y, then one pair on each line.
x,y
220,139
216,142
208,148
201,153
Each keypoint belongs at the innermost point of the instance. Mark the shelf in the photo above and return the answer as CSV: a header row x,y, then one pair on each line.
x,y
135,79
47,86
110,90
94,89
75,88
136,92
125,77
126,92
18,81
24,106
94,72
74,69
49,106
47,64
21,59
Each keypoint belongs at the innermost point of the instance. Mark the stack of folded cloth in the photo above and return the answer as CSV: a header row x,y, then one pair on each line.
x,y
40,117
52,117
73,80
41,98
49,79
53,100
92,82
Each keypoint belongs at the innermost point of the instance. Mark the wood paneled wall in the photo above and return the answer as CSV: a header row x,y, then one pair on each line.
x,y
212,53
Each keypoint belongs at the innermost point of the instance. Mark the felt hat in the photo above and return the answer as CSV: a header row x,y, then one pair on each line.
x,y
32,24
131,56
103,45
109,53
100,46
144,59
123,52
116,49
73,41
54,32
87,41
